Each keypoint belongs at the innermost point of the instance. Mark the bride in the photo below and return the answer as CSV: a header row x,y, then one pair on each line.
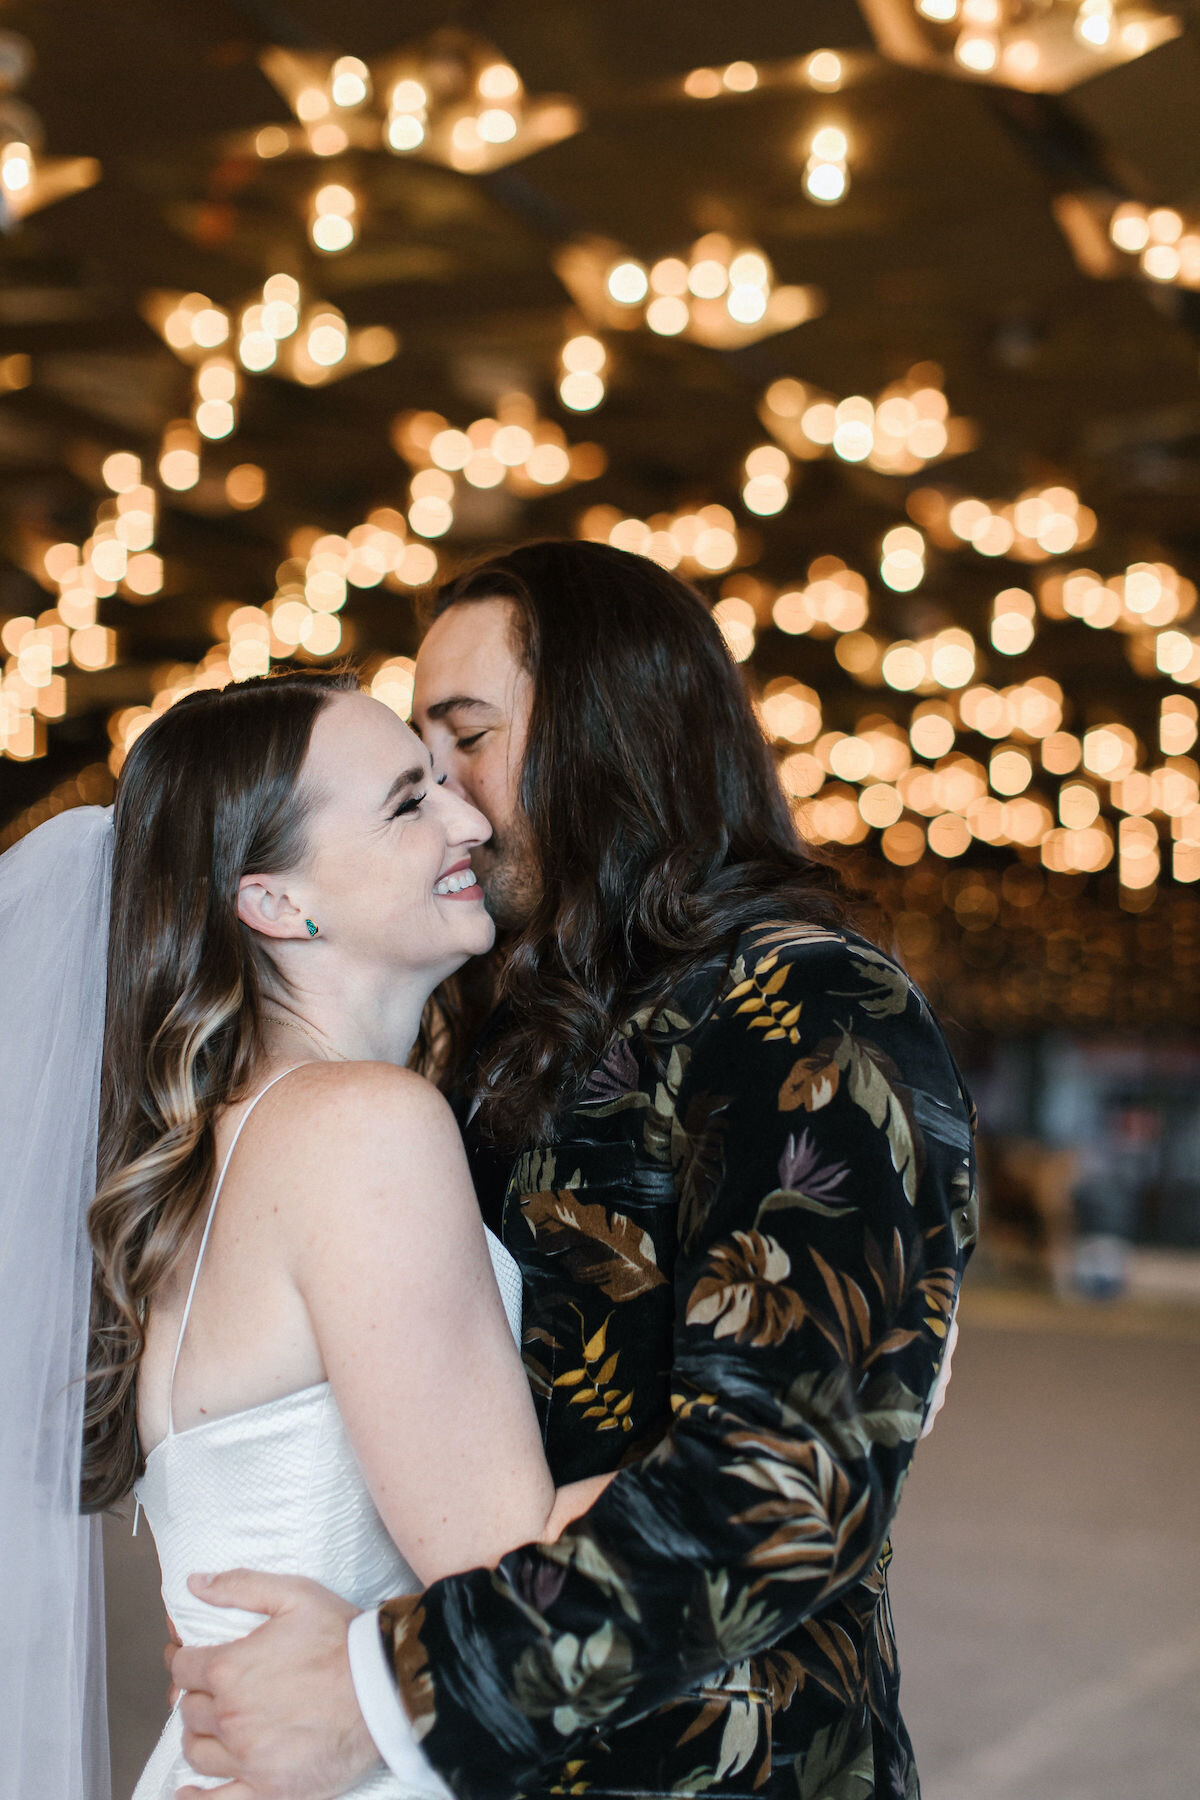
x,y
302,1352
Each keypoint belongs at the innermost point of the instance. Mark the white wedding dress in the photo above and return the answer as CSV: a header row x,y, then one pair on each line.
x,y
276,1488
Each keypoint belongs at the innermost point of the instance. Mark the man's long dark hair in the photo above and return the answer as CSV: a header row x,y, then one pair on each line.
x,y
654,809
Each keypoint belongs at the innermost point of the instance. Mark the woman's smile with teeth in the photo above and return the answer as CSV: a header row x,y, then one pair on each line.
x,y
455,882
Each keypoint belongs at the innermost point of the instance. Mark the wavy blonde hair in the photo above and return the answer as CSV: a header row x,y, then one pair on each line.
x,y
210,792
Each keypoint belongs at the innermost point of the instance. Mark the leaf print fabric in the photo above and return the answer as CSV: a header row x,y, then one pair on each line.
x,y
744,1295
741,1259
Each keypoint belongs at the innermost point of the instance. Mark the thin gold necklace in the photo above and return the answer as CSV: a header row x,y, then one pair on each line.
x,y
291,1025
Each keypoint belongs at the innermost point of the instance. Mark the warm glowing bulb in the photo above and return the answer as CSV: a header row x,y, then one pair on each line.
x,y
405,131
496,126
122,471
627,283
408,97
824,70
331,233
829,144
976,52
740,77
584,355
708,278
825,182
668,315
327,342
749,270
499,81
311,103
1094,23
16,167
351,81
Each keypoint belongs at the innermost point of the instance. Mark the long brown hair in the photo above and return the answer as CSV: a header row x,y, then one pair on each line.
x,y
655,812
210,792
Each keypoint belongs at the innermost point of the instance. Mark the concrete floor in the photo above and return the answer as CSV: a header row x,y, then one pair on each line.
x,y
1047,1576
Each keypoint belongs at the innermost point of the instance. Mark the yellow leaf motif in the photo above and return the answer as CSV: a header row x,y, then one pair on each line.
x,y
595,1345
777,980
571,1378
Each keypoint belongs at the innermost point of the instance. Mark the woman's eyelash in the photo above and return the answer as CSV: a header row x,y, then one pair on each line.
x,y
408,806
464,743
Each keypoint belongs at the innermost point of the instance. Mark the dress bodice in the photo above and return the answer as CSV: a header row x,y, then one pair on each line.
x,y
275,1488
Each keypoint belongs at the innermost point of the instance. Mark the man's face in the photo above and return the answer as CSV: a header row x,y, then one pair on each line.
x,y
471,707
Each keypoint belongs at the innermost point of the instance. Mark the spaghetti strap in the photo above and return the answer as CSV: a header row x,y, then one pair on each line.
x,y
212,1210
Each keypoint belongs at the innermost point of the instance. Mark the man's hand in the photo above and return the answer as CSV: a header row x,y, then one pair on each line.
x,y
274,1712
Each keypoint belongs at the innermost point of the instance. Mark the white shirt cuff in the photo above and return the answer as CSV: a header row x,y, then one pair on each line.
x,y
383,1712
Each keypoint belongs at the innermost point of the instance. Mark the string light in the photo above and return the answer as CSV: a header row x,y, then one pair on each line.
x,y
1046,47
1014,612
30,180
906,426
456,101
1158,242
333,221
245,486
826,172
902,559
1041,523
825,71
833,600
216,390
704,542
719,292
517,449
279,329
451,99
583,361
179,458
766,480
392,683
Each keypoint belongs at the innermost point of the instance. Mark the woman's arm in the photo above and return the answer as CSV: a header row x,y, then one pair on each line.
x,y
388,1252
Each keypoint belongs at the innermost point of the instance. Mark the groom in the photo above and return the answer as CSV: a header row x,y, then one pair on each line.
x,y
728,1146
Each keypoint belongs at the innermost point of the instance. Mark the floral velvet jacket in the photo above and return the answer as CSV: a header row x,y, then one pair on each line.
x,y
740,1257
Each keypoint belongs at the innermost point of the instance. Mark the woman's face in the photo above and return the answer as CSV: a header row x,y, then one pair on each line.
x,y
388,876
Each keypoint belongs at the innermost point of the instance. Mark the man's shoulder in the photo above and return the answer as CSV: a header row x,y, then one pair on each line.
x,y
798,961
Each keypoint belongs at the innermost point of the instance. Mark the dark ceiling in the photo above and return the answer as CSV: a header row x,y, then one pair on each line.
x,y
946,249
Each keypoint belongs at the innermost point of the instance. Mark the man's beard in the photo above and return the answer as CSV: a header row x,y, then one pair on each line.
x,y
507,871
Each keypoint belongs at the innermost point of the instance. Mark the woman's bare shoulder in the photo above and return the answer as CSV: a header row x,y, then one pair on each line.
x,y
359,1123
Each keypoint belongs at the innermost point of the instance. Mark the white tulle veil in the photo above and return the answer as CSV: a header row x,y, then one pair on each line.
x,y
54,902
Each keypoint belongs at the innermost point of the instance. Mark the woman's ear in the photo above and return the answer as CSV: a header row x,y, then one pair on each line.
x,y
264,905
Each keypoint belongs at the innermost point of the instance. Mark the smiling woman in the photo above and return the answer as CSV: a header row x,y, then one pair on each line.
x,y
347,1223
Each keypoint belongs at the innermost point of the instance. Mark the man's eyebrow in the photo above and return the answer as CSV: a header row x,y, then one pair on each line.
x,y
410,778
458,703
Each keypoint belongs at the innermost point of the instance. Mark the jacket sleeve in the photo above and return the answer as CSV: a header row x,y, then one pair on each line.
x,y
821,1146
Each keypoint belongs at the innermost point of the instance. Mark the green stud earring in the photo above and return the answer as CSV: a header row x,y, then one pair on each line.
x,y
312,927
